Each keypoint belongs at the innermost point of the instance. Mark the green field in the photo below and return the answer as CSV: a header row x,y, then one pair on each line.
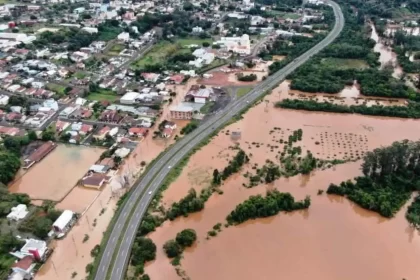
x,y
102,95
56,88
242,91
80,75
280,14
193,41
345,63
157,54
115,50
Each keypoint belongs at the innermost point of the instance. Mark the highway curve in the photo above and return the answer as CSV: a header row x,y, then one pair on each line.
x,y
115,256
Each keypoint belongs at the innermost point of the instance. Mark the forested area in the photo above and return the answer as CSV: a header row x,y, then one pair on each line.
x,y
77,38
260,207
178,23
412,110
383,8
390,175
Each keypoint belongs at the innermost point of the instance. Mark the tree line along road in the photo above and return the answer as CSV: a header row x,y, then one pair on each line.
x,y
116,253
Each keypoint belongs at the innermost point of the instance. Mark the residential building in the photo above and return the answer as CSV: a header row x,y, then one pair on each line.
x,y
111,116
129,97
18,212
102,133
4,99
124,36
24,267
138,132
240,45
39,154
95,180
35,248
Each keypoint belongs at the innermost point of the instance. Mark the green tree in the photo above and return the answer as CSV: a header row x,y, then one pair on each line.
x,y
186,237
48,135
172,249
9,165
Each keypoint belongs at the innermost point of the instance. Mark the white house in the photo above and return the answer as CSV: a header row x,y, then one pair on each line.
x,y
18,213
50,103
91,30
124,36
4,99
129,97
240,45
197,30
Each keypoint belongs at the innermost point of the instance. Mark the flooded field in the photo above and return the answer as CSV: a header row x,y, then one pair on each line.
x,y
305,244
53,177
387,56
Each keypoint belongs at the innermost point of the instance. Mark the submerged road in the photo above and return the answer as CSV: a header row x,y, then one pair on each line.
x,y
117,251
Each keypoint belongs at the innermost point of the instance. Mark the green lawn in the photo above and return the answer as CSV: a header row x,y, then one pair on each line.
x,y
242,91
103,94
157,54
115,50
343,63
80,75
56,88
193,41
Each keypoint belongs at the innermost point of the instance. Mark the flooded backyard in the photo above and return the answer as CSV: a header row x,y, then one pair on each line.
x,y
332,240
54,176
387,56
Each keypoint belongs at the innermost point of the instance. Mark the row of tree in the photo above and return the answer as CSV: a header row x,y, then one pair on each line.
x,y
270,205
412,110
234,166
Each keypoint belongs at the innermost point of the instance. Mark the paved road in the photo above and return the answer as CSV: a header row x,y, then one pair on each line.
x,y
117,251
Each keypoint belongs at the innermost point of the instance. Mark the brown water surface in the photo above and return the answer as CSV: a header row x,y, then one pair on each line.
x,y
334,239
55,175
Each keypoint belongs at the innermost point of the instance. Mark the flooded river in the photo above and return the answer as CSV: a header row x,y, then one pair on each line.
x,y
332,240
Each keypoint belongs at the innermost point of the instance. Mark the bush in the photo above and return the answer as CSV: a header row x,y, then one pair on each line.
x,y
247,78
172,249
186,238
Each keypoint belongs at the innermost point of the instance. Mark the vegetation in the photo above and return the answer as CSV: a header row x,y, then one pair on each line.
x,y
190,127
40,221
390,174
413,212
247,78
172,249
186,237
144,250
234,166
412,110
189,204
8,243
270,205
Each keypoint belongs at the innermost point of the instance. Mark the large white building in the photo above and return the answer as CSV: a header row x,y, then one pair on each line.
x,y
240,45
130,97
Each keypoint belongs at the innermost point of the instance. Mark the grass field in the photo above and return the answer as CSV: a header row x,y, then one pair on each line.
x,y
345,63
115,50
80,75
193,41
56,88
101,95
242,91
157,54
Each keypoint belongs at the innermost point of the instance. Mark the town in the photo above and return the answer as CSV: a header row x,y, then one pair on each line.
x,y
93,93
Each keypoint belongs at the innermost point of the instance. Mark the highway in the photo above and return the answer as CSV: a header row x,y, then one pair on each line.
x,y
117,250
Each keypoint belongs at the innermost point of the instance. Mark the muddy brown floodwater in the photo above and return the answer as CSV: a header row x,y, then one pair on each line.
x,y
54,176
387,56
334,239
